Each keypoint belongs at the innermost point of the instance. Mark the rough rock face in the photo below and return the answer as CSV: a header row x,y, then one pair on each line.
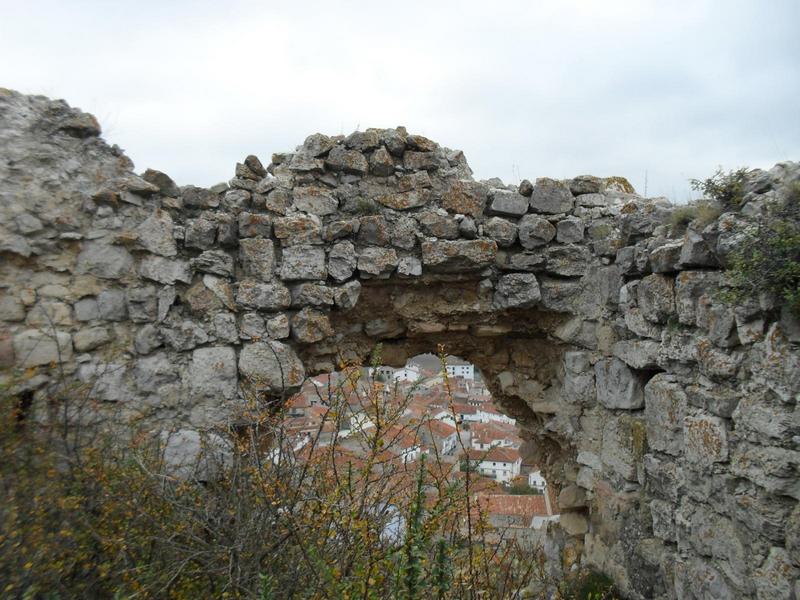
x,y
668,418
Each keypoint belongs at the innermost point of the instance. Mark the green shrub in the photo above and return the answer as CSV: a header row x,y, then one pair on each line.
x,y
699,213
725,188
768,259
588,585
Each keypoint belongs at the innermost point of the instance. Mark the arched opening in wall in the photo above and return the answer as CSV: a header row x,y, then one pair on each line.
x,y
533,360
435,408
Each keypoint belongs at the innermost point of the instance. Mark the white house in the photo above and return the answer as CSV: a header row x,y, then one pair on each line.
x,y
410,374
439,434
537,481
500,464
459,368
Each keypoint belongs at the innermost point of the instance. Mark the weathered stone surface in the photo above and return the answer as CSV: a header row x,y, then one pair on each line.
x,y
147,339
191,455
257,257
574,523
298,229
342,261
89,338
404,200
458,256
381,163
665,258
200,233
706,440
551,197
104,261
312,294
165,270
775,469
278,327
418,161
309,326
142,303
505,202
656,298
535,231
216,262
377,262
695,252
502,231
638,354
34,347
346,296
373,230
777,577
271,366
465,197
349,161
251,225
664,410
409,266
303,262
315,200
438,225
109,305
617,385
155,234
569,230
265,296
624,444
517,290
163,182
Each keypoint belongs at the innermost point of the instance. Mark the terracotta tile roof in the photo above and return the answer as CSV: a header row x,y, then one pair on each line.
x,y
440,428
495,454
526,507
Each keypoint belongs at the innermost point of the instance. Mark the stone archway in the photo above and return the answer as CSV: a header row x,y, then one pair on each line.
x,y
595,329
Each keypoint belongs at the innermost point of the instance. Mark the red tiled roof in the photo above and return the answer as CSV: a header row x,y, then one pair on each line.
x,y
495,454
526,507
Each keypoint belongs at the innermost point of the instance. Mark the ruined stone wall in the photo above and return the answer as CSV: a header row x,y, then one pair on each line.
x,y
667,418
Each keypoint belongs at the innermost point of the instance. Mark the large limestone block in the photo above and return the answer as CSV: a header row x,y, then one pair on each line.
x,y
155,234
624,445
264,296
458,256
617,385
257,258
377,262
271,366
517,290
342,260
303,262
506,202
664,410
165,270
212,372
309,326
36,347
655,297
551,197
706,440
104,261
535,231
777,470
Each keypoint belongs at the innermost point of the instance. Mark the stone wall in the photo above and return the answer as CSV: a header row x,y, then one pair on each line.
x,y
667,418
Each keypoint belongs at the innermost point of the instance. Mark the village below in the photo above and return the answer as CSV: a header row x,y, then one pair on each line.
x,y
447,414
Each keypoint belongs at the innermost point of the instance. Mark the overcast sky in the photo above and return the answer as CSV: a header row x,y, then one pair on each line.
x,y
527,89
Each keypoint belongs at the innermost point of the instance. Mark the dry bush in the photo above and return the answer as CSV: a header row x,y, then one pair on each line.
x,y
267,518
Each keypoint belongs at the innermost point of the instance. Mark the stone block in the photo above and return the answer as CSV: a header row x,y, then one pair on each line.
x,y
617,385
